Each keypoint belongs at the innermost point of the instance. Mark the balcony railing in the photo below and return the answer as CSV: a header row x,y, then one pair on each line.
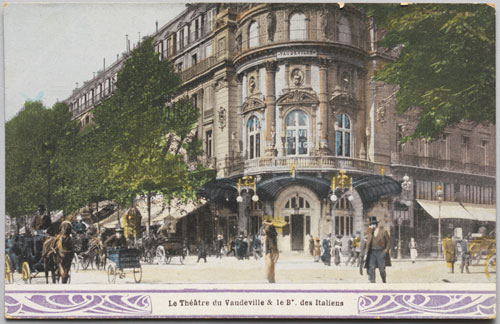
x,y
311,163
198,68
441,164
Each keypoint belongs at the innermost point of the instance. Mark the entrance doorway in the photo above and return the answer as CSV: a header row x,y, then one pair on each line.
x,y
297,232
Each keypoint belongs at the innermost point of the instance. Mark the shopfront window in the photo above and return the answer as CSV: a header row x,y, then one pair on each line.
x,y
297,130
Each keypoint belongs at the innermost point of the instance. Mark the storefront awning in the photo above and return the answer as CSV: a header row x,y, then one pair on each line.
x,y
485,213
268,189
219,190
454,210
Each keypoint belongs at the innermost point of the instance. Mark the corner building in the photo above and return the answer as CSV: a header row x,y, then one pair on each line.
x,y
289,86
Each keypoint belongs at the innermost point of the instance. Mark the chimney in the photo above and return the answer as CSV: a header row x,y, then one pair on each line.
x,y
104,64
156,22
117,56
139,38
93,76
127,43
76,85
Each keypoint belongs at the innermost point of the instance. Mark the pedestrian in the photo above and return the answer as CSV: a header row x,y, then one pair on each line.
x,y
350,250
326,256
232,249
337,247
202,251
413,250
237,247
218,246
357,249
362,254
464,245
272,252
450,252
378,245
257,247
244,248
317,249
311,245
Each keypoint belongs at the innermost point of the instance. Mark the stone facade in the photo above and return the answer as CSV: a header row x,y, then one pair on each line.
x,y
302,76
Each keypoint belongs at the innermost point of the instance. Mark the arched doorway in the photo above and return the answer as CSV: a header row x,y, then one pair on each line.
x,y
300,207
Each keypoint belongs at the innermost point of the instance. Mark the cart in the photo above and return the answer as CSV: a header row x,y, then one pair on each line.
x,y
121,259
484,248
168,249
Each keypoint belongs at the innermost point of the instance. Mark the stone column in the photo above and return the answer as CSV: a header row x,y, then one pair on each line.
x,y
270,107
323,105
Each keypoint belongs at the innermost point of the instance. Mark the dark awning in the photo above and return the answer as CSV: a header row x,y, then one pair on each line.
x,y
372,188
219,190
267,190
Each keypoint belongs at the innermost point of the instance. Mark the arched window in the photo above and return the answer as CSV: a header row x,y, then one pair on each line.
x,y
298,29
297,126
253,131
344,30
343,135
297,202
253,34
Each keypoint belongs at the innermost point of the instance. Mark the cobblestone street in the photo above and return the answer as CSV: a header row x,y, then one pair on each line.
x,y
298,269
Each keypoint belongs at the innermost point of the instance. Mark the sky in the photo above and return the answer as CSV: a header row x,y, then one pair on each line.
x,y
49,47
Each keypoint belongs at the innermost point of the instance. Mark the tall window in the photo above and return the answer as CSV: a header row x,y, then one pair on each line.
x,y
344,30
253,34
343,135
296,133
208,143
298,29
465,148
253,129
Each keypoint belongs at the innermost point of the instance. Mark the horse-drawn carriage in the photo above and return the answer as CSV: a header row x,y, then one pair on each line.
x,y
169,248
483,248
121,259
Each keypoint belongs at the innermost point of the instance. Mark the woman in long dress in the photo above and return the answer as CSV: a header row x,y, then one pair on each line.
x,y
413,250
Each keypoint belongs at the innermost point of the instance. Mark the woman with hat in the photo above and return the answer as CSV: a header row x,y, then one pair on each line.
x,y
272,252
379,244
317,249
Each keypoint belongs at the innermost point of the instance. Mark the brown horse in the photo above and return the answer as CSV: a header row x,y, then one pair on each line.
x,y
58,253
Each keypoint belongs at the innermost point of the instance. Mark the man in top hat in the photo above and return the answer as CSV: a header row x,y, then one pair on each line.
x,y
116,240
271,246
79,226
41,221
378,244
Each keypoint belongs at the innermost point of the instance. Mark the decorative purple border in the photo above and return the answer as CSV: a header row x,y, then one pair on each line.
x,y
138,303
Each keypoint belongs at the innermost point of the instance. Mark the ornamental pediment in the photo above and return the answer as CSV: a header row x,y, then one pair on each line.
x,y
298,97
344,99
253,103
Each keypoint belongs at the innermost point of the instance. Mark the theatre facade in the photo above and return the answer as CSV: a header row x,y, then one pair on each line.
x,y
287,100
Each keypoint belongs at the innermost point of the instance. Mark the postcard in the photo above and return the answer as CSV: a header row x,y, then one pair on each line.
x,y
249,160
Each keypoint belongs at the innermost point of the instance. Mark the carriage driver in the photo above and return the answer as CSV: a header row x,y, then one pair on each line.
x,y
41,221
116,240
79,227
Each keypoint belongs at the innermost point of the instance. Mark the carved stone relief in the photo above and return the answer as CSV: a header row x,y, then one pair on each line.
x,y
222,118
297,77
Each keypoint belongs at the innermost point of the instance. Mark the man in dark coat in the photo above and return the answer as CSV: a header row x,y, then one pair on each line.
x,y
41,221
218,246
272,252
202,251
116,240
378,245
326,256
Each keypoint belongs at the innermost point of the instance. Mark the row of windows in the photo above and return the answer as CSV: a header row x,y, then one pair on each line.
x,y
88,99
297,135
455,192
297,30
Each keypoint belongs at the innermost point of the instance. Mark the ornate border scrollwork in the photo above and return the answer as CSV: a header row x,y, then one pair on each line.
x,y
253,103
222,118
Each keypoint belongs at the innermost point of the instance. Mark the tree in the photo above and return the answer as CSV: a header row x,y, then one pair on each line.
x,y
38,144
132,126
447,61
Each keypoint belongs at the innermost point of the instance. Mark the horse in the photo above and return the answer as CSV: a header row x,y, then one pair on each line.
x,y
58,253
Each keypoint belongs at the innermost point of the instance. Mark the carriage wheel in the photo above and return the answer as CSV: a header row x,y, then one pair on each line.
x,y
490,265
26,272
160,254
9,275
138,274
111,273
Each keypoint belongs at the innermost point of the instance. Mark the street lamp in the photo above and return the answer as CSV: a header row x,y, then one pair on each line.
x,y
439,195
340,186
406,186
247,183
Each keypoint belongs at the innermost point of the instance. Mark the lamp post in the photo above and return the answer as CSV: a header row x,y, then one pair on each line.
x,y
340,186
247,183
406,186
439,195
